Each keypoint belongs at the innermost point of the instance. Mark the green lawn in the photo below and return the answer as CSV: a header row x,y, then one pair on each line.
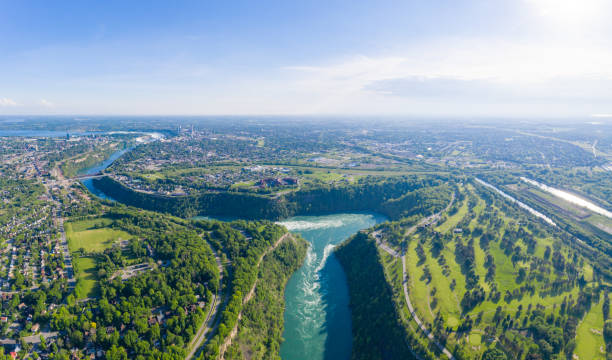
x,y
87,279
589,339
452,221
81,234
393,271
418,289
448,300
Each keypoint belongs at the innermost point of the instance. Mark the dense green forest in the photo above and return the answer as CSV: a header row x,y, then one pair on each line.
x,y
393,196
377,333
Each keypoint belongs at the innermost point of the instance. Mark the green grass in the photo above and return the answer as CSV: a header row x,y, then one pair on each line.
x,y
448,300
589,339
325,176
87,279
393,273
81,234
475,339
418,289
243,184
479,253
452,221
505,280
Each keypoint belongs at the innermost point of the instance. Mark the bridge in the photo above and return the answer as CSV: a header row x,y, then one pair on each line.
x,y
88,176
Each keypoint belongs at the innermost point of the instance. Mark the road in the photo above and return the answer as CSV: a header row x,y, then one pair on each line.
x,y
428,220
211,322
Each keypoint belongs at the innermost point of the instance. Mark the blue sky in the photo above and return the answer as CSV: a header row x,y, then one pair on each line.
x,y
410,57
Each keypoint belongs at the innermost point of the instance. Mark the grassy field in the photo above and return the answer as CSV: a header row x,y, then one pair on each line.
x,y
589,339
87,279
393,273
452,221
444,291
83,234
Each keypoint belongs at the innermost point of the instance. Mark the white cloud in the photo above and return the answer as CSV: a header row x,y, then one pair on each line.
x,y
46,103
6,102
461,73
577,14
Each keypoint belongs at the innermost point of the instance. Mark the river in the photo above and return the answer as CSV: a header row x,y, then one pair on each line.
x,y
317,316
519,203
569,197
97,169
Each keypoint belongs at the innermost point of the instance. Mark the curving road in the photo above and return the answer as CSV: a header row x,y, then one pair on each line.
x,y
195,346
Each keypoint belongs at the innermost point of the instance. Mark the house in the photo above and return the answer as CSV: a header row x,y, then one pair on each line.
x,y
35,328
458,230
290,181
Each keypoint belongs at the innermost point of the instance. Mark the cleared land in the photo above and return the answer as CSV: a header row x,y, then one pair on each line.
x,y
92,236
87,279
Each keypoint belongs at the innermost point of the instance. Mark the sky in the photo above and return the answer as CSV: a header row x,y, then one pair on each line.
x,y
508,58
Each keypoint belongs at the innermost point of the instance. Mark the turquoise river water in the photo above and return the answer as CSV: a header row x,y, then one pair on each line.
x,y
317,316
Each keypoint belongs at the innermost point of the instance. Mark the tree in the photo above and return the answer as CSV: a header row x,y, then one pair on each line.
x,y
494,354
606,306
116,353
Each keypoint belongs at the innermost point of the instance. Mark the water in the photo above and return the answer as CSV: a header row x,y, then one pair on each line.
x,y
522,205
45,133
109,161
571,198
98,168
317,316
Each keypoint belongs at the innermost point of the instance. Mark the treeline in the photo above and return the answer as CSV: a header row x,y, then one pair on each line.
x,y
377,332
423,201
389,196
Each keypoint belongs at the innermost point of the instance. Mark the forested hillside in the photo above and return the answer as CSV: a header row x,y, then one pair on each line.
x,y
377,333
389,196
